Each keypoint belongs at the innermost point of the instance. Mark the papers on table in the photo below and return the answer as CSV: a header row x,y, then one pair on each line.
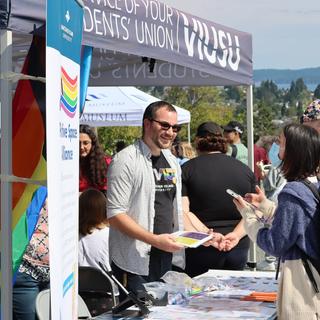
x,y
246,280
223,304
230,293
202,308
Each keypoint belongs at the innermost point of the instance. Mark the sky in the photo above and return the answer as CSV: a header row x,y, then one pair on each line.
x,y
285,33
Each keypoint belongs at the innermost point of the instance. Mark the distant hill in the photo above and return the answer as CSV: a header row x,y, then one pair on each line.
x,y
311,76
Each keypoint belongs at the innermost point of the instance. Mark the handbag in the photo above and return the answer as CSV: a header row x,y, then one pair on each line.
x,y
305,258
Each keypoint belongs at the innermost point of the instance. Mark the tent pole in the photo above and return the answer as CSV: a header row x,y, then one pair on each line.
x,y
189,133
6,170
252,251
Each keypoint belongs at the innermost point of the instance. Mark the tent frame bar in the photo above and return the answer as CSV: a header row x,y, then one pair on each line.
x,y
189,132
6,169
252,251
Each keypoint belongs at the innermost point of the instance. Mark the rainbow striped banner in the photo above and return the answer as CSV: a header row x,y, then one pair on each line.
x,y
28,148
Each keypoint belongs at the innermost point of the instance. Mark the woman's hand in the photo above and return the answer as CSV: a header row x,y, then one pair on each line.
x,y
215,240
240,203
255,198
230,241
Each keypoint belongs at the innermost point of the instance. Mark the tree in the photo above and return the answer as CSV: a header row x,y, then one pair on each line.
x,y
204,104
269,95
297,96
299,109
284,110
222,105
316,93
267,92
108,136
233,93
262,120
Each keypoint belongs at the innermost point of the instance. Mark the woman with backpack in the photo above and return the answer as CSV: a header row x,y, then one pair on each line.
x,y
293,233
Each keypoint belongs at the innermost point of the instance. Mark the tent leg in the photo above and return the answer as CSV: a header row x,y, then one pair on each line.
x,y
252,251
6,169
189,133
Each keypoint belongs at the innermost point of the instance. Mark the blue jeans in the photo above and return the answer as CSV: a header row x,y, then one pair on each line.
x,y
201,259
25,291
160,263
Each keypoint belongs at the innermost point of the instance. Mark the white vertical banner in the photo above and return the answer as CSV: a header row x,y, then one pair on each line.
x,y
64,32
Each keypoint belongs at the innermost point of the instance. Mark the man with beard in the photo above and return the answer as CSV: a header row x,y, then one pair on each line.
x,y
144,201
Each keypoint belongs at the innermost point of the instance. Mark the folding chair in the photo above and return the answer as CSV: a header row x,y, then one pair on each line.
x,y
43,306
99,291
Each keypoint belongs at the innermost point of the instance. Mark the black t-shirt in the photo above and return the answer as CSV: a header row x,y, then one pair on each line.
x,y
205,180
165,179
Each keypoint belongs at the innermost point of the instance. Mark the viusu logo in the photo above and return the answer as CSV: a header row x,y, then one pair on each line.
x,y
67,16
212,45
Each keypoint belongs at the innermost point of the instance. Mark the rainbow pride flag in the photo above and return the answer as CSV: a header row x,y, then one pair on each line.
x,y
29,139
28,148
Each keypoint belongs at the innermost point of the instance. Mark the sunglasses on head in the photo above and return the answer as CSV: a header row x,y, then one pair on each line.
x,y
166,126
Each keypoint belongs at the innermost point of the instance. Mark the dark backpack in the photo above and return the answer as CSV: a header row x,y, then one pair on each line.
x,y
305,257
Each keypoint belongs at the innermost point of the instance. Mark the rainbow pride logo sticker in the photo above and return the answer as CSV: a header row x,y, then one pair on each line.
x,y
69,94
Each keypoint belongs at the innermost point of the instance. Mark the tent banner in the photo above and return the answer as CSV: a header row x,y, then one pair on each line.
x,y
155,31
109,68
111,119
64,32
120,106
157,36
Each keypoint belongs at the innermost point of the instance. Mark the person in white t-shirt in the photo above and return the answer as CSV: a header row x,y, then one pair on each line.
x,y
93,229
233,132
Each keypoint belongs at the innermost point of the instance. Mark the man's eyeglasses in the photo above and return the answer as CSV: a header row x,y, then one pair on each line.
x,y
166,126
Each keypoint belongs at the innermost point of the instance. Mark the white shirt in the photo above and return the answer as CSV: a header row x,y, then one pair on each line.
x,y
94,248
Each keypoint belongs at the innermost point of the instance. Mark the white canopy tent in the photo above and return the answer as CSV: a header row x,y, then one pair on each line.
x,y
121,106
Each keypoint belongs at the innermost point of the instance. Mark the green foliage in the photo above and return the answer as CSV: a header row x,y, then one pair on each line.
x,y
267,92
262,120
316,93
269,95
297,96
221,105
204,104
108,136
297,88
233,93
284,110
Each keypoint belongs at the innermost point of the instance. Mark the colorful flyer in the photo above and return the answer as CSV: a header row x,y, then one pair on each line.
x,y
192,239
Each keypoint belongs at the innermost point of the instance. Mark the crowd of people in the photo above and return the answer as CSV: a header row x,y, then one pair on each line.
x,y
131,204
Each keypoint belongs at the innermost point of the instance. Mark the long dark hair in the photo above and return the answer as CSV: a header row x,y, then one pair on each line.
x,y
302,152
92,210
93,166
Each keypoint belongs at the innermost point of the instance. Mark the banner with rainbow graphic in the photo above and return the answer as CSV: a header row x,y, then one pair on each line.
x,y
64,31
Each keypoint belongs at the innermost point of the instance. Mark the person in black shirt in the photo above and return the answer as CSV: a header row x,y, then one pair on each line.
x,y
204,183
